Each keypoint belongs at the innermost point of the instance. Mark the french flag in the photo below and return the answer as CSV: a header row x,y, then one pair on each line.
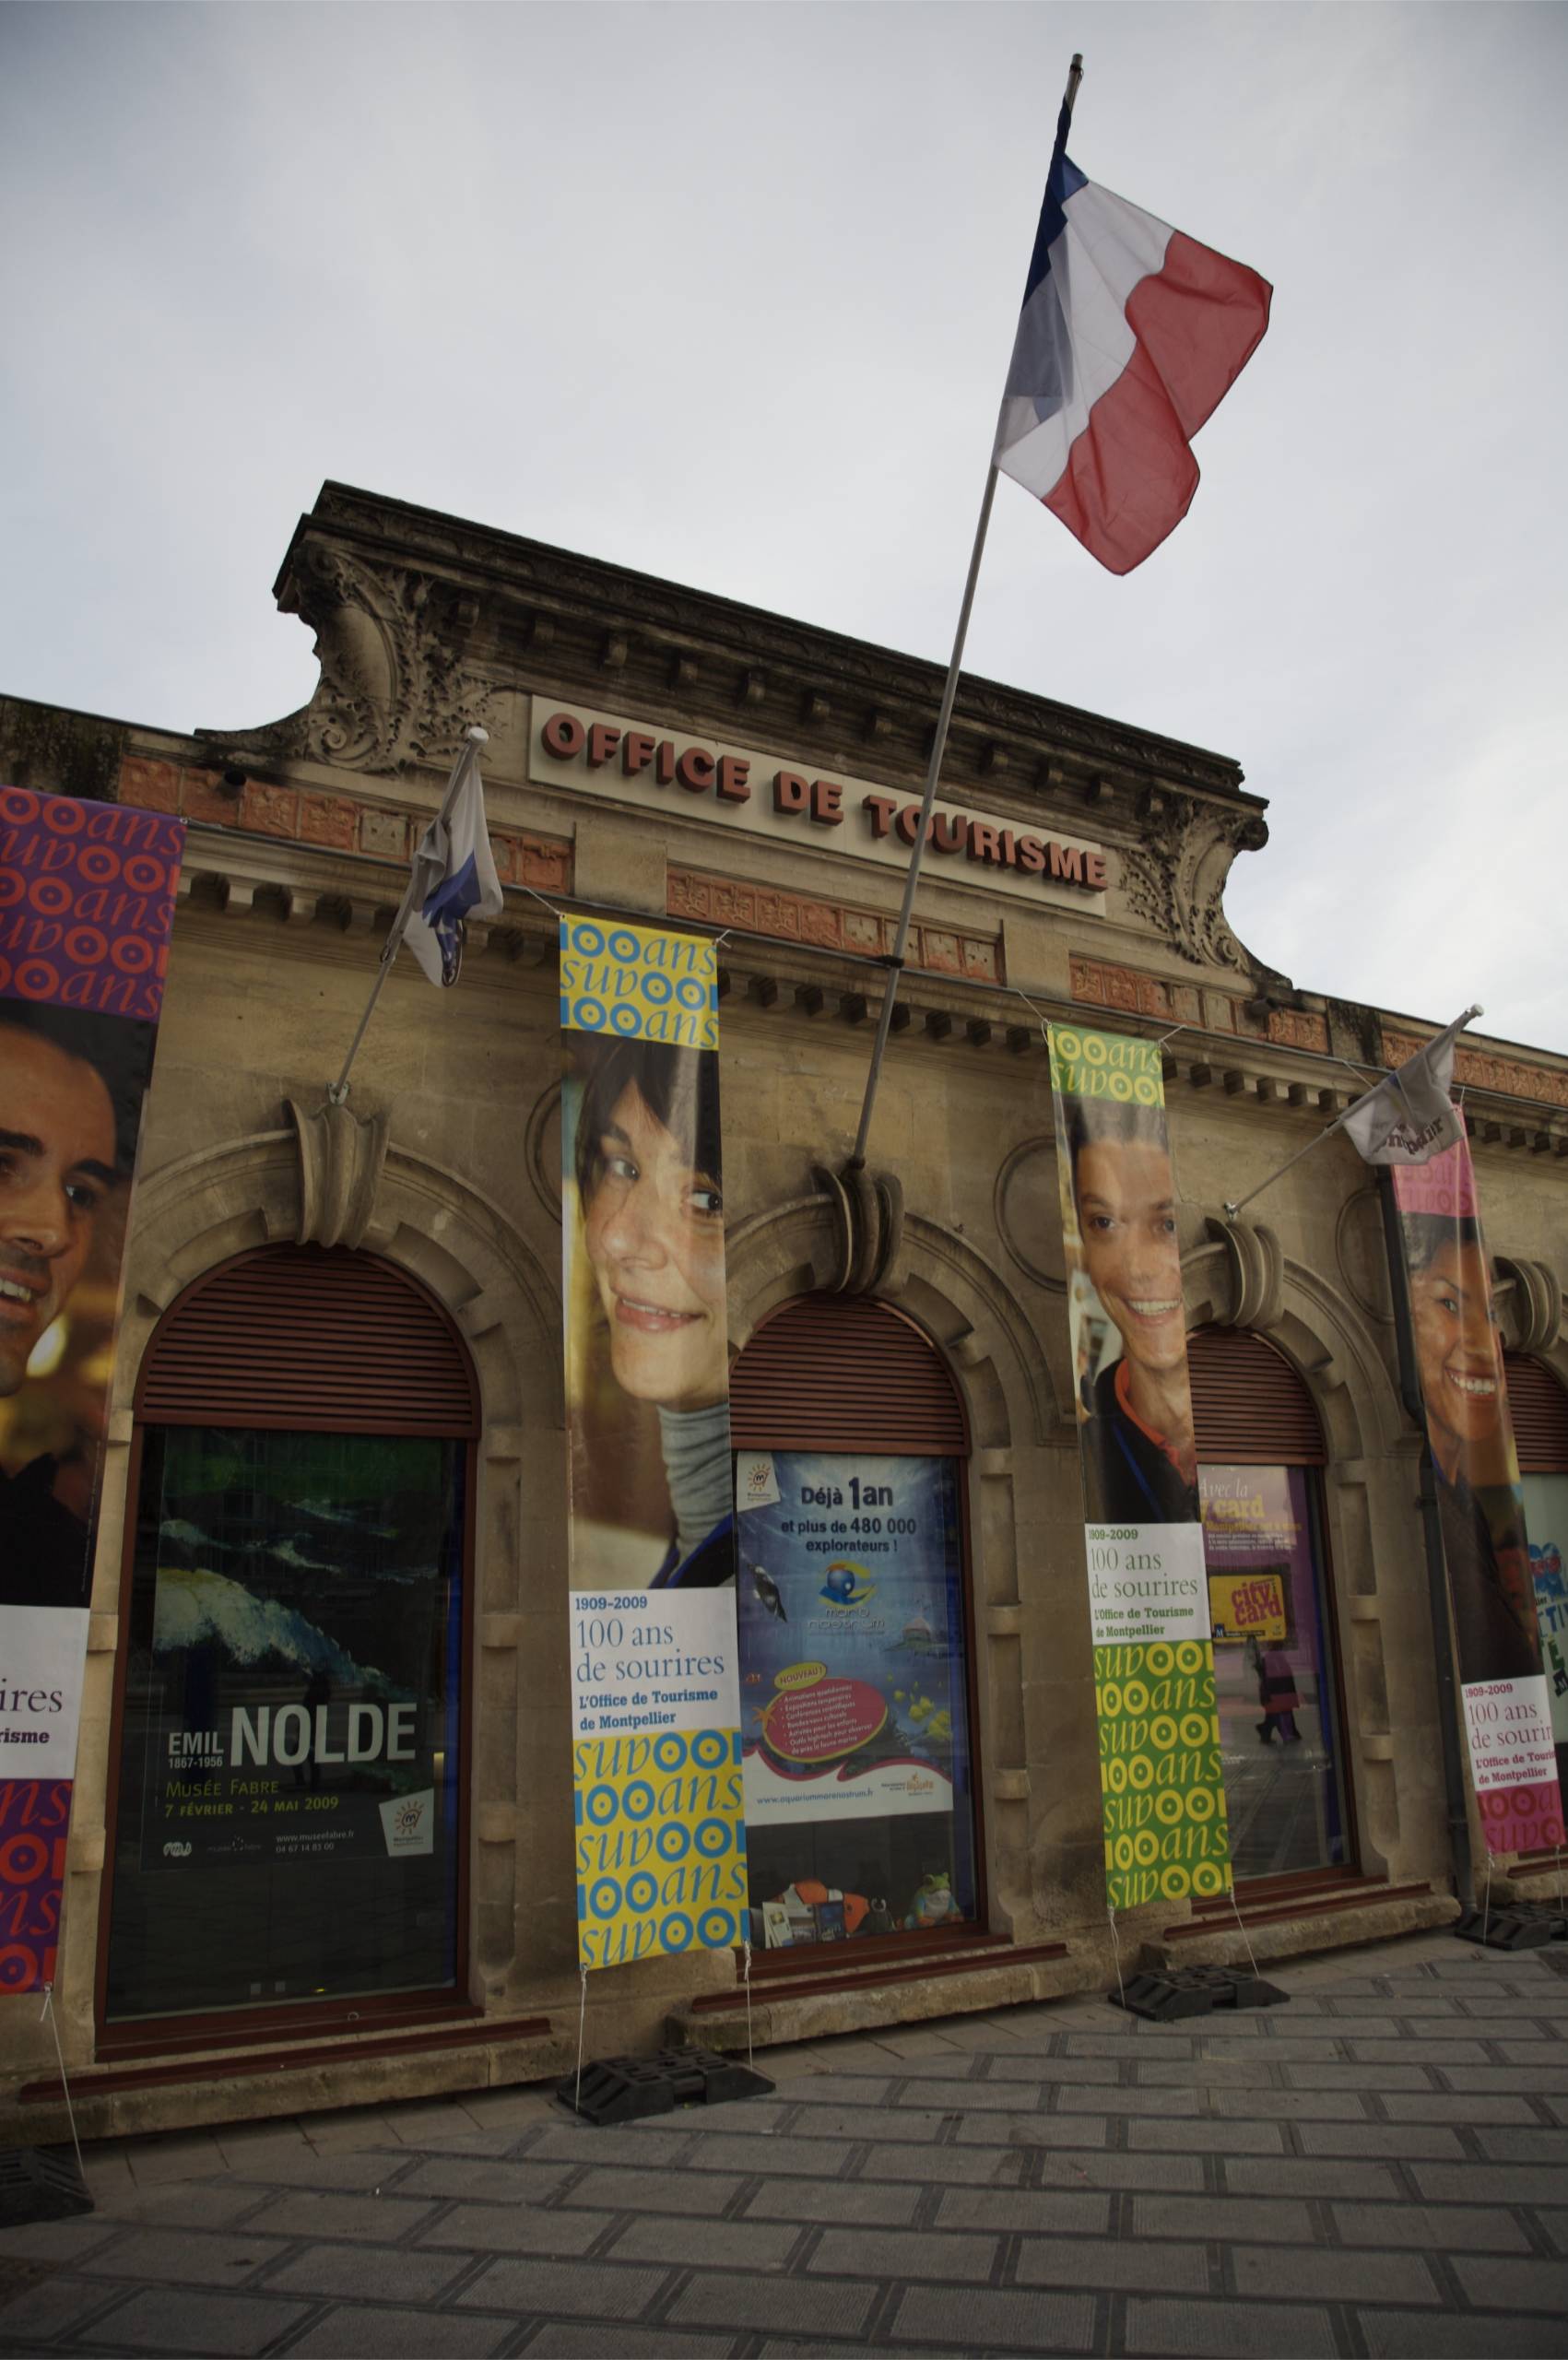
x,y
1130,335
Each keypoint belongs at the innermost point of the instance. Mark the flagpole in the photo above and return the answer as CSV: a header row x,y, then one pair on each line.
x,y
894,960
337,1091
1339,1121
1326,1133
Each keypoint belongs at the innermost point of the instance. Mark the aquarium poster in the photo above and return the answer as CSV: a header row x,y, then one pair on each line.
x,y
854,1696
86,899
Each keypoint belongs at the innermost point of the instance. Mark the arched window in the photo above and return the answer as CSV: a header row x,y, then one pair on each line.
x,y
287,1782
1540,1405
855,1646
1259,1446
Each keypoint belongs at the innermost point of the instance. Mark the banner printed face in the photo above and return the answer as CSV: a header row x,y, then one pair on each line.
x,y
1162,1789
1481,1503
657,1775
87,899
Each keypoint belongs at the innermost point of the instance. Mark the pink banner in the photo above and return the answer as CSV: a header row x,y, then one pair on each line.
x,y
86,899
1480,1505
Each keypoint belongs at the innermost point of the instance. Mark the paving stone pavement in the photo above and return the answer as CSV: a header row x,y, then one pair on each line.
x,y
1380,2167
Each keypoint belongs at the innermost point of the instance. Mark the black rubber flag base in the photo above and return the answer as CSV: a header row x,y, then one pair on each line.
x,y
624,2089
1165,1994
1515,1926
37,2185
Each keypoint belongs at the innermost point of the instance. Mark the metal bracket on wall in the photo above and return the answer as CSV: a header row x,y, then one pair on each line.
x,y
868,1213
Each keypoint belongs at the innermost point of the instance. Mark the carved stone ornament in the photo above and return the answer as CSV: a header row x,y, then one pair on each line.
x,y
394,693
869,1214
1175,877
1530,1301
341,1158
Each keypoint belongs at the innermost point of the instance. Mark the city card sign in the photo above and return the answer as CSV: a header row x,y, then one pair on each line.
x,y
648,769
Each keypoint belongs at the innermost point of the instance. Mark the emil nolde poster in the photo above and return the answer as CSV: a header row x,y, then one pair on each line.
x,y
1481,1503
661,1831
1162,1789
87,896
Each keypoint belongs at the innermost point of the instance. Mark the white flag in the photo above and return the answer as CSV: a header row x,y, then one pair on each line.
x,y
453,872
1409,1117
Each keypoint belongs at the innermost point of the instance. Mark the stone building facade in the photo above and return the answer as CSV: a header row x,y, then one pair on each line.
x,y
444,1163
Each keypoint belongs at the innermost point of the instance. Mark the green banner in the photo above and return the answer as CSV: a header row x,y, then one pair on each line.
x,y
1163,1792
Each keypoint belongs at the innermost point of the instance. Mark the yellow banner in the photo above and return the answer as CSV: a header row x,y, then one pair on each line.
x,y
656,1700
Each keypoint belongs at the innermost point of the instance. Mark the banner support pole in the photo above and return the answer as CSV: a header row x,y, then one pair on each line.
x,y
1436,1564
895,960
337,1091
1231,1210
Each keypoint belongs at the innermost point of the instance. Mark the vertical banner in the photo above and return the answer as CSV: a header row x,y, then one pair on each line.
x,y
87,899
1481,1503
657,1756
1163,1792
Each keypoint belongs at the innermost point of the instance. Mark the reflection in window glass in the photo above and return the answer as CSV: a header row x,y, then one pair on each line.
x,y
1546,1524
1273,1669
288,1773
853,1691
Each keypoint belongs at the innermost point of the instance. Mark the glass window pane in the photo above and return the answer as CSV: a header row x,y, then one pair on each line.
x,y
289,1772
854,1696
1546,1524
1273,1668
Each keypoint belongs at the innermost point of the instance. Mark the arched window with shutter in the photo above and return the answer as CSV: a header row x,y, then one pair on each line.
x,y
287,1790
1260,1446
856,1643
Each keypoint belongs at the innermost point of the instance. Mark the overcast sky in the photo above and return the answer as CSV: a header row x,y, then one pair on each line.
x,y
728,293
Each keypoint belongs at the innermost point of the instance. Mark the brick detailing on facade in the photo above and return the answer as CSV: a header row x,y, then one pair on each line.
x,y
331,822
1480,1070
1296,1028
1108,986
831,926
1105,985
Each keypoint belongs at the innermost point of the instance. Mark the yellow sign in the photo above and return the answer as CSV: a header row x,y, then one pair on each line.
x,y
1247,1606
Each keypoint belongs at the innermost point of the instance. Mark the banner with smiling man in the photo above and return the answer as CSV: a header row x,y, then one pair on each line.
x,y
1162,1794
661,1826
86,899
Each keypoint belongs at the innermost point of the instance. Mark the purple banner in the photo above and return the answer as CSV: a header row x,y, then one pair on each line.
x,y
86,899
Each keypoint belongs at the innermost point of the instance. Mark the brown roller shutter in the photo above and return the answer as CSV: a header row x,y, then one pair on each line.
x,y
309,1337
1249,1405
1540,1405
832,1371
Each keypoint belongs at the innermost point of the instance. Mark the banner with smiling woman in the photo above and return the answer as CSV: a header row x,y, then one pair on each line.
x,y
1481,1503
1162,1794
657,1777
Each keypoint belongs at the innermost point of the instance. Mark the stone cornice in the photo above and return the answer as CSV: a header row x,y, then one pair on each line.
x,y
345,901
523,611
